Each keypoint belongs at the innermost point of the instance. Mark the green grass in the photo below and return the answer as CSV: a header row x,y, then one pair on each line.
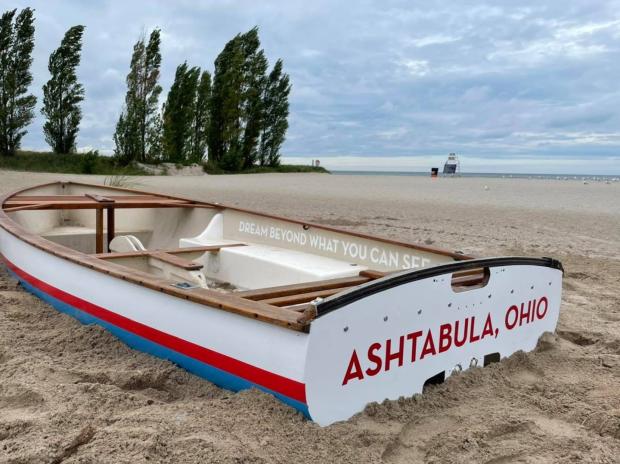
x,y
77,163
211,169
92,163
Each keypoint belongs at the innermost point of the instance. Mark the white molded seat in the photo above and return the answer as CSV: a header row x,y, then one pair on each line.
x,y
259,266
213,235
123,243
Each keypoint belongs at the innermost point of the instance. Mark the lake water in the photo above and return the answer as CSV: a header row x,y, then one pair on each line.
x,y
486,174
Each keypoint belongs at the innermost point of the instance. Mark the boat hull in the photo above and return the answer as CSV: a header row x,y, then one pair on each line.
x,y
383,337
205,341
390,338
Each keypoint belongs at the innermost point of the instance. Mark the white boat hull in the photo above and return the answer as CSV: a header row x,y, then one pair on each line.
x,y
326,320
382,341
232,351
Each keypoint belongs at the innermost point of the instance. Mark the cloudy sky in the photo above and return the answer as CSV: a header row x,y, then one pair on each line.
x,y
510,86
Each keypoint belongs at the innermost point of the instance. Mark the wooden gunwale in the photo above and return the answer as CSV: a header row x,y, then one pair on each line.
x,y
247,308
440,251
93,204
235,302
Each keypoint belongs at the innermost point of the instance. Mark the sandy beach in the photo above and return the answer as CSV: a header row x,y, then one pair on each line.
x,y
73,393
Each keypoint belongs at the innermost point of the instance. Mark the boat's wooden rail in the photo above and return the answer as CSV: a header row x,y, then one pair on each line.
x,y
169,256
281,296
99,203
298,294
288,305
93,201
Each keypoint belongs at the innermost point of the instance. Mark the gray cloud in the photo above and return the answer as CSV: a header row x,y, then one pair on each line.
x,y
374,79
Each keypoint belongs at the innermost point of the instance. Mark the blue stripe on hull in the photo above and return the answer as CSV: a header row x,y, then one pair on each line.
x,y
206,371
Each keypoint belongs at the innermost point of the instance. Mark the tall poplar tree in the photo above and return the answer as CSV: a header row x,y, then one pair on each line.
x,y
179,115
141,102
201,119
16,105
63,93
225,130
154,138
254,69
275,114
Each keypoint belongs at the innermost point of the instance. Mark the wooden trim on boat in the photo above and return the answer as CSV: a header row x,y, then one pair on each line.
x,y
299,298
287,290
172,251
250,304
161,255
412,275
227,302
110,219
99,198
457,256
99,230
91,203
176,261
373,274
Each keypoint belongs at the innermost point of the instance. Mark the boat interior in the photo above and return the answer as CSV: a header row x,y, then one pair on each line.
x,y
212,251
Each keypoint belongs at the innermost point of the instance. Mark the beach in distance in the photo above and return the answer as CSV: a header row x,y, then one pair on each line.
x,y
73,393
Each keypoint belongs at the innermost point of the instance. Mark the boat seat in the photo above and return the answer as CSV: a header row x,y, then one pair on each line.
x,y
178,272
124,243
82,238
260,266
213,235
127,249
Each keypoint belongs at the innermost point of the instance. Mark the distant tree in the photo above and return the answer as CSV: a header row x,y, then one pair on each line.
x,y
275,116
225,130
141,101
63,93
201,119
16,105
254,78
179,115
154,139
123,142
248,109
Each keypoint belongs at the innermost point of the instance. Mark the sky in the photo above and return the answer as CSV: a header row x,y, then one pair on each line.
x,y
510,86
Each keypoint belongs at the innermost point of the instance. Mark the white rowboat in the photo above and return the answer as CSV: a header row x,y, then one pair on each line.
x,y
324,319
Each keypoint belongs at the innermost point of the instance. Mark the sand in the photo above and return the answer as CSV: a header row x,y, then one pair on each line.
x,y
73,393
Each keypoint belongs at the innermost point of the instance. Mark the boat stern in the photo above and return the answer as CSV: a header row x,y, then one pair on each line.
x,y
388,338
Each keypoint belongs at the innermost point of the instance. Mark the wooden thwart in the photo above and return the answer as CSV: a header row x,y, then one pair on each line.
x,y
303,297
173,251
161,255
176,261
85,197
99,198
94,201
304,288
290,295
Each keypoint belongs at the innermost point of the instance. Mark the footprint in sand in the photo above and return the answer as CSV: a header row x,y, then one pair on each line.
x,y
409,446
578,338
18,397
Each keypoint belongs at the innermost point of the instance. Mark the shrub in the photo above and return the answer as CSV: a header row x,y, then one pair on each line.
x,y
89,162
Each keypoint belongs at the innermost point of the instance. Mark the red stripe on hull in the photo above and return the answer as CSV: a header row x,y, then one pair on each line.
x,y
283,385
